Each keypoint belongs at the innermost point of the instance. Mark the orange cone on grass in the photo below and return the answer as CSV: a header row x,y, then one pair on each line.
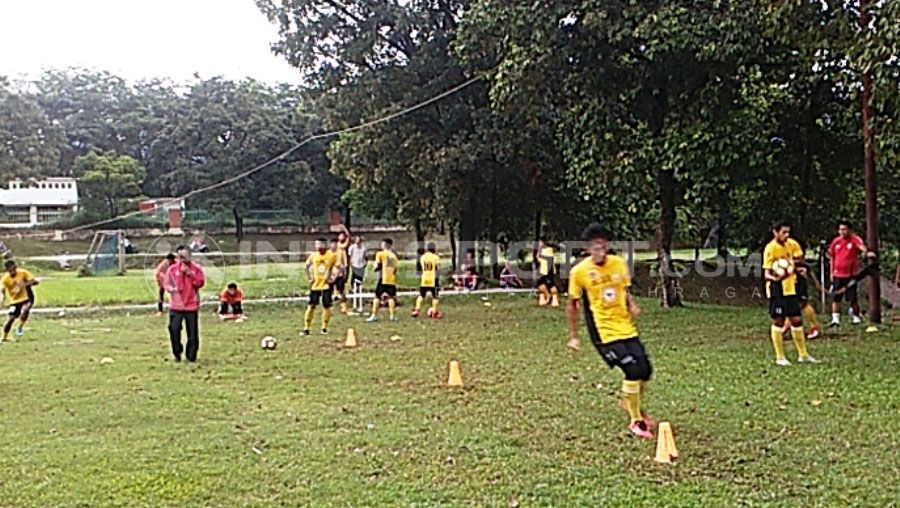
x,y
351,338
455,377
666,452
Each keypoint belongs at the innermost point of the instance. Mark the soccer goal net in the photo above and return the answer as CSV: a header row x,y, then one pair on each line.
x,y
106,254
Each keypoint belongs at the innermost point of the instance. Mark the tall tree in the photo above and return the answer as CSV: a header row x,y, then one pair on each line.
x,y
107,181
29,143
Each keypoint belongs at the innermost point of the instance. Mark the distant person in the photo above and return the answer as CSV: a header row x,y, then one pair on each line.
x,y
429,264
183,282
844,254
545,263
162,269
230,302
129,247
508,277
358,263
386,264
19,296
198,244
341,269
320,274
467,278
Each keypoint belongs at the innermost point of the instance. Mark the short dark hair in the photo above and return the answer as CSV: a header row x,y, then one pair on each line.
x,y
845,223
780,224
388,241
595,231
431,247
9,264
170,256
335,240
232,285
322,239
181,247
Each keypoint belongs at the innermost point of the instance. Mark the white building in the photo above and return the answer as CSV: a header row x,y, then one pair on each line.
x,y
32,202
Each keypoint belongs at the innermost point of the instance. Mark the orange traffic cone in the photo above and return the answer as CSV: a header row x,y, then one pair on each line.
x,y
666,452
351,338
455,378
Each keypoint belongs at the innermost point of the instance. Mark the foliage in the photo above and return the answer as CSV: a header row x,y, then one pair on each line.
x,y
107,180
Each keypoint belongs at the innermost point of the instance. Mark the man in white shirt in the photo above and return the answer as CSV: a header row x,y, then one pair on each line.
x,y
358,263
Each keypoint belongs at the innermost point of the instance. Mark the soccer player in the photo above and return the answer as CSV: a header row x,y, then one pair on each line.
x,y
358,263
161,270
183,282
386,264
545,260
782,291
320,273
339,286
600,285
806,307
844,255
230,303
429,263
20,297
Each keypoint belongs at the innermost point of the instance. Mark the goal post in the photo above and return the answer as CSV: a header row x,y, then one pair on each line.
x,y
106,255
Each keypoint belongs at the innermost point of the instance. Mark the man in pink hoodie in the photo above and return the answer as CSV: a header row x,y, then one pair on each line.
x,y
183,282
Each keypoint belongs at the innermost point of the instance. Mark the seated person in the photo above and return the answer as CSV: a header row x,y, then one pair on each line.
x,y
230,303
467,278
508,278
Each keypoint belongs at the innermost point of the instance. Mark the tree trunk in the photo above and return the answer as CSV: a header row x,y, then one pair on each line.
x,y
238,224
495,255
453,256
467,228
669,296
724,212
347,215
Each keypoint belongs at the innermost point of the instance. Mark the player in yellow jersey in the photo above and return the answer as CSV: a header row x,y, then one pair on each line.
x,y
782,261
341,268
599,284
429,264
17,284
386,264
545,261
320,273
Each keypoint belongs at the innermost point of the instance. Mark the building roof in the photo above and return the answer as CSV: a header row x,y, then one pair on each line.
x,y
60,191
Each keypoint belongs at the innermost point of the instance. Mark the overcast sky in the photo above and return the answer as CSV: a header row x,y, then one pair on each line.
x,y
141,38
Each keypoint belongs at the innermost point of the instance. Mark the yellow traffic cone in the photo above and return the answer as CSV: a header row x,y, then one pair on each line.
x,y
351,338
455,378
666,452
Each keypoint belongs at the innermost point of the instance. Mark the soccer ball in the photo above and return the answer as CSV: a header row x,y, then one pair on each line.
x,y
267,343
783,267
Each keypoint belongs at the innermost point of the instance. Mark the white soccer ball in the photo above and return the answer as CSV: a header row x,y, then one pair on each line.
x,y
783,267
268,343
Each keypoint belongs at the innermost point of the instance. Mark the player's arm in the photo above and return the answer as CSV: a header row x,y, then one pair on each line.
x,y
572,307
768,264
378,262
633,308
308,268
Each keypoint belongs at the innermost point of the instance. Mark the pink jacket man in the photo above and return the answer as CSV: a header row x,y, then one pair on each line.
x,y
184,280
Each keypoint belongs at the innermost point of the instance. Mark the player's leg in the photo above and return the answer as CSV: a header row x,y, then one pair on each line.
x,y
23,317
777,313
435,300
376,302
175,321
419,300
160,300
314,297
554,293
392,302
223,309
853,300
836,299
637,368
13,315
543,292
809,314
237,309
192,327
792,311
326,310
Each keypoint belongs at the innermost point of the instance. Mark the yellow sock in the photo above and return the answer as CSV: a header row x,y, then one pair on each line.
x,y
434,304
343,306
375,304
631,394
778,342
326,317
419,303
809,313
307,319
799,341
391,305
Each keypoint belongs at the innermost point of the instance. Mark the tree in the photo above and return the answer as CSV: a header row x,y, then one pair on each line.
x,y
107,180
29,142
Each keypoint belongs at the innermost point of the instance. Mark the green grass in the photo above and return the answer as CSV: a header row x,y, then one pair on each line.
x,y
375,427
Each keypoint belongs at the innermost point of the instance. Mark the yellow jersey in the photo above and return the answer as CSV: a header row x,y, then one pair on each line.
x,y
322,266
429,263
602,291
387,262
546,261
15,293
789,250
342,254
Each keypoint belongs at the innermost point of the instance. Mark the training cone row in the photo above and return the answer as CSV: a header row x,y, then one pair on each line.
x,y
455,377
351,338
666,452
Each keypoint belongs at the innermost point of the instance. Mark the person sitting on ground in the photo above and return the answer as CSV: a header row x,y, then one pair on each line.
x,y
198,244
467,278
508,278
230,303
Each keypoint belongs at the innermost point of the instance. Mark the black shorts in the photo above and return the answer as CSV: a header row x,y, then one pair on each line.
x,y
320,295
843,282
357,275
15,310
546,280
385,289
802,288
339,284
630,356
781,306
424,291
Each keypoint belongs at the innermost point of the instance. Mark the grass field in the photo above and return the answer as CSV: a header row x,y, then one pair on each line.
x,y
316,424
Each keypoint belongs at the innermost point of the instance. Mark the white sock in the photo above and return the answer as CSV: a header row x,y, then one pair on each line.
x,y
836,317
